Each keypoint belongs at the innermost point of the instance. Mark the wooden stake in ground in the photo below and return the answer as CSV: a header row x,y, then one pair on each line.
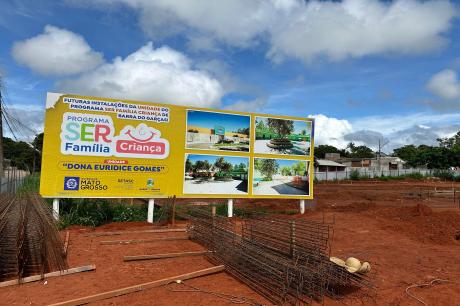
x,y
140,287
173,218
160,256
35,278
112,242
115,233
66,243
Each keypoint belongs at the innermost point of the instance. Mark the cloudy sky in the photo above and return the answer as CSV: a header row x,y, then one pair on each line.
x,y
365,69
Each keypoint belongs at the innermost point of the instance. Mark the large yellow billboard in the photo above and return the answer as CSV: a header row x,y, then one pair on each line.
x,y
100,147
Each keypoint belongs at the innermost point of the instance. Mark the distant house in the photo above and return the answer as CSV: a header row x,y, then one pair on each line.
x,y
324,165
383,163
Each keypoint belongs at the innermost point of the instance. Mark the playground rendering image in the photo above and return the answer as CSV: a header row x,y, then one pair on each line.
x,y
282,136
217,131
212,174
280,177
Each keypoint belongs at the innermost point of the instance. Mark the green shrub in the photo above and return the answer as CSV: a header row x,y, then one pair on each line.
x,y
31,183
445,175
123,213
95,212
415,176
354,175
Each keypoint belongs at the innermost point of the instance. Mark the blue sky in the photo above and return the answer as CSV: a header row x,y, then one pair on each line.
x,y
210,120
364,69
212,159
286,162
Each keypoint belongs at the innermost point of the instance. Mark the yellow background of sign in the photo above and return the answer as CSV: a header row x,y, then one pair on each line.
x,y
134,184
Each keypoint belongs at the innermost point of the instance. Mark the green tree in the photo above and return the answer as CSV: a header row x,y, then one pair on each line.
x,y
188,165
244,131
450,142
286,171
260,125
257,164
408,153
360,151
37,143
268,167
321,150
299,168
223,165
281,126
20,153
202,165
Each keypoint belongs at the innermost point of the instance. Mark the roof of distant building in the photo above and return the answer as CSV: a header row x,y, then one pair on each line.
x,y
325,162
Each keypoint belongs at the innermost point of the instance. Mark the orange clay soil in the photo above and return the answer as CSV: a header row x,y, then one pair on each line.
x,y
406,242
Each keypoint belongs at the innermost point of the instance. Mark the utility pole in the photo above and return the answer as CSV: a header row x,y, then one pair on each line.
x,y
381,145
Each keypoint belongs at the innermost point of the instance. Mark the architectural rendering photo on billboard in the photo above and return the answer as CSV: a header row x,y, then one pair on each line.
x,y
282,136
280,177
217,131
214,174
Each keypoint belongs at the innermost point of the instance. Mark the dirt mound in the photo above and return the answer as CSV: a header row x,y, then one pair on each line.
x,y
420,223
422,210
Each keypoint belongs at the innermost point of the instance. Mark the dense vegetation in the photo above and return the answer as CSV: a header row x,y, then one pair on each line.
x,y
443,156
444,175
23,155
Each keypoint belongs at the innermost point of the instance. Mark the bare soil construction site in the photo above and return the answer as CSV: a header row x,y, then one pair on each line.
x,y
407,230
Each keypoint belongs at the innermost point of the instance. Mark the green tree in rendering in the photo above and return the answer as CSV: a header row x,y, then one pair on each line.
x,y
223,165
260,125
202,165
282,128
299,168
268,167
242,167
188,165
286,171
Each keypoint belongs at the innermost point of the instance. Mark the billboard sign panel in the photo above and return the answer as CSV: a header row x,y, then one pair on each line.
x,y
98,147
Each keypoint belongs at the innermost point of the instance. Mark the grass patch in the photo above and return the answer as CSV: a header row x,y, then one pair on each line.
x,y
354,175
96,212
31,183
446,175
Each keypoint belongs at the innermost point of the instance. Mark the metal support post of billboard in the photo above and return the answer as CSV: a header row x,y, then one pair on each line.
x,y
150,210
56,209
230,208
302,206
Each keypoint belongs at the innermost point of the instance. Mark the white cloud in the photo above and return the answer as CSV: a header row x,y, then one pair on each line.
x,y
248,106
417,129
331,131
367,137
157,75
392,124
445,84
30,121
356,28
56,52
236,22
301,29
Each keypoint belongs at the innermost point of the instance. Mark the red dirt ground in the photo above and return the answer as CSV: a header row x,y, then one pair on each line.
x,y
405,240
